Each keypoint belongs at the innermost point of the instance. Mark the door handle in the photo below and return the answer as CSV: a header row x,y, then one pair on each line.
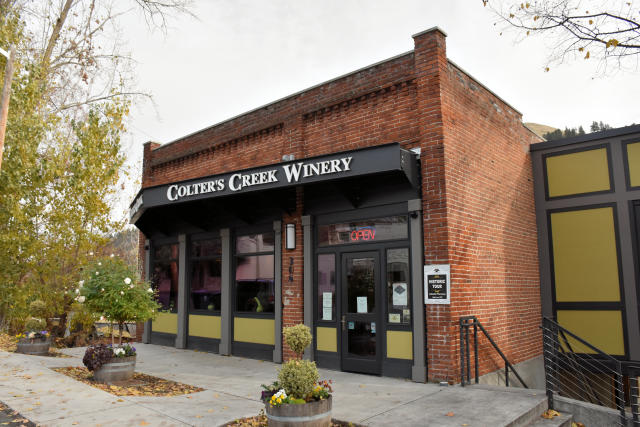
x,y
343,321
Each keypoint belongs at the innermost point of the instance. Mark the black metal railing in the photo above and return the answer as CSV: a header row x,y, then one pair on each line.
x,y
578,370
466,323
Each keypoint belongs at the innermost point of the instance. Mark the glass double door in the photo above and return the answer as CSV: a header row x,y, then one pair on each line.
x,y
361,308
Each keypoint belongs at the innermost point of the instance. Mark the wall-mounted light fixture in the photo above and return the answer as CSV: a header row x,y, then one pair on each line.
x,y
291,236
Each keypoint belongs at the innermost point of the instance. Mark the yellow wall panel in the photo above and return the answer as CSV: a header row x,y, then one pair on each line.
x,y
600,328
165,322
585,257
327,339
577,173
252,330
204,326
400,345
633,154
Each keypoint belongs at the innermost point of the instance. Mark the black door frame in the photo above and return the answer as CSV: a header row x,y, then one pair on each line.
x,y
352,363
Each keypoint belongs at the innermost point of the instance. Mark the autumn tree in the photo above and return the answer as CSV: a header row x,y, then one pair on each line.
x,y
605,31
72,90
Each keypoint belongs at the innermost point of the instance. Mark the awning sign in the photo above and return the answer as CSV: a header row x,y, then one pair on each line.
x,y
437,284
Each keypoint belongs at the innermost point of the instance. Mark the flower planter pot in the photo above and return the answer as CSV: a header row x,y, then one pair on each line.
x,y
312,414
34,346
117,369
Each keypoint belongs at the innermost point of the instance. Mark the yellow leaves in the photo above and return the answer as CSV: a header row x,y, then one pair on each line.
x,y
511,15
590,21
139,385
588,55
546,70
528,32
527,5
535,18
580,49
549,414
612,42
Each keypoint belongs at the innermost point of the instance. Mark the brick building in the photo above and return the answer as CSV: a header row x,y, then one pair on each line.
x,y
327,206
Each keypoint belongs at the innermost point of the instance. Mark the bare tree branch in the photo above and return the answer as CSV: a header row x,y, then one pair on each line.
x,y
600,29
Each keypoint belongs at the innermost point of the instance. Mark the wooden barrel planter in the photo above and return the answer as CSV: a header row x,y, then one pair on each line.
x,y
34,346
312,414
117,369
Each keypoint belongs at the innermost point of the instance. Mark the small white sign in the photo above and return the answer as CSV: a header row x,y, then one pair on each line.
x,y
437,284
400,294
327,306
394,317
327,299
361,304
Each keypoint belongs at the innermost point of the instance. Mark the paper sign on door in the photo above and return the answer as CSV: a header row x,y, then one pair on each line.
x,y
361,304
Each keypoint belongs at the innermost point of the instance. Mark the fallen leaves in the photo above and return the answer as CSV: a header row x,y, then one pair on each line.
x,y
139,385
449,414
550,413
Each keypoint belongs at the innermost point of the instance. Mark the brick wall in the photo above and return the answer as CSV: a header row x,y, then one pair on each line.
x,y
476,184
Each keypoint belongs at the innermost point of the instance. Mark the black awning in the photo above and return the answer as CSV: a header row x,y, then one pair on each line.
x,y
267,180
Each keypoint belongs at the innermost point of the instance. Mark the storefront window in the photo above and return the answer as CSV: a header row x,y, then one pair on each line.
x,y
399,301
326,286
206,276
364,231
255,273
165,275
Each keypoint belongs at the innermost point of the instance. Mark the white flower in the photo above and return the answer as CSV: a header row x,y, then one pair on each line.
x,y
97,272
127,281
81,283
111,256
99,263
118,351
31,335
131,286
102,290
281,394
81,299
77,291
121,292
150,290
90,253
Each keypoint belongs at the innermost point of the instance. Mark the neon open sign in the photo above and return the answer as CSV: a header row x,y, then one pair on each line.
x,y
363,234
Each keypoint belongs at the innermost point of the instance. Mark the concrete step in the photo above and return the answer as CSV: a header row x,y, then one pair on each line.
x,y
564,420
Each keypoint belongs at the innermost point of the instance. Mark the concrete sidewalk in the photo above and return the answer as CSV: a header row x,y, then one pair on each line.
x,y
232,390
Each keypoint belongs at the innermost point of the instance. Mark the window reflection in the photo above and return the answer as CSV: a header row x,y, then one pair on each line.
x,y
255,288
363,231
398,295
164,277
326,286
206,276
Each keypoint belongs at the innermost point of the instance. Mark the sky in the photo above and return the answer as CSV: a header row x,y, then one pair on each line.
x,y
236,55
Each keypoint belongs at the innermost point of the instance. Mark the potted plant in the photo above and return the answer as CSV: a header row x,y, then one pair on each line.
x,y
112,289
298,398
109,363
36,339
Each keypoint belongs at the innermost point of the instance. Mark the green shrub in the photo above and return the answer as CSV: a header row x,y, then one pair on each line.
x,y
35,324
38,308
297,337
82,319
298,377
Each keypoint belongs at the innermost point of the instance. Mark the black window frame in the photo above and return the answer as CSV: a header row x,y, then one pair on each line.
x,y
155,244
190,260
235,255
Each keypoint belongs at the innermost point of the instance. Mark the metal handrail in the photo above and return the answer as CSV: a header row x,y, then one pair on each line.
x,y
559,354
467,322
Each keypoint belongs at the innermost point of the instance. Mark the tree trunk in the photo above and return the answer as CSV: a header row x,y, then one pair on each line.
x,y
113,339
120,333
